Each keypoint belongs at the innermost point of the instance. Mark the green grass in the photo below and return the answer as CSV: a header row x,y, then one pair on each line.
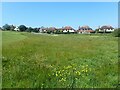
x,y
9,37
47,61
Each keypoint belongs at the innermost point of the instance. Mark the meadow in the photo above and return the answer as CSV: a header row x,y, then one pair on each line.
x,y
59,61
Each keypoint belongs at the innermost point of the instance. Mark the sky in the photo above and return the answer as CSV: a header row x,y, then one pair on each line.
x,y
58,14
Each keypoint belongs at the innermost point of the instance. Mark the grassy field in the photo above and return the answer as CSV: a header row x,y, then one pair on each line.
x,y
63,61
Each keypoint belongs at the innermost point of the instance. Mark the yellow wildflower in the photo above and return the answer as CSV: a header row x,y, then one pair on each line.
x,y
58,71
78,73
56,74
86,70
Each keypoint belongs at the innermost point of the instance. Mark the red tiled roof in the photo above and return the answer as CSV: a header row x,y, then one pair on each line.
x,y
89,31
68,28
52,28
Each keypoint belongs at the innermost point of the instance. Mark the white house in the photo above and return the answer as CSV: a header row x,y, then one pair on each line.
x,y
68,29
106,28
72,31
65,31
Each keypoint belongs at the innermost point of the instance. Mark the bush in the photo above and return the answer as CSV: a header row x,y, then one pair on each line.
x,y
116,33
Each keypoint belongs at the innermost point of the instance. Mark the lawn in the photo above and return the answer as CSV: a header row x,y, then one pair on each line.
x,y
59,61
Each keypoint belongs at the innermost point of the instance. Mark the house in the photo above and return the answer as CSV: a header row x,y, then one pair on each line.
x,y
16,28
44,30
59,31
0,28
52,28
49,30
85,30
41,29
106,29
68,29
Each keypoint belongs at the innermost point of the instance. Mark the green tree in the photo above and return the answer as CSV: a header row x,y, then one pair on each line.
x,y
96,30
36,30
22,28
30,29
12,27
6,27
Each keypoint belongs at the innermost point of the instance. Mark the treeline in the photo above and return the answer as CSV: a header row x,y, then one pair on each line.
x,y
21,28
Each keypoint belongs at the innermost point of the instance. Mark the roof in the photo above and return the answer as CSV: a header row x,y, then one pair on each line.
x,y
59,28
107,27
50,28
68,28
84,27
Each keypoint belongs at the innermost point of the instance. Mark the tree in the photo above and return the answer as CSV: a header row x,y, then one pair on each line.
x,y
96,30
6,27
30,29
42,27
22,28
36,30
12,27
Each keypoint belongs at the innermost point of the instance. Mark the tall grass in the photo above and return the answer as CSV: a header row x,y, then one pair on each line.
x,y
47,61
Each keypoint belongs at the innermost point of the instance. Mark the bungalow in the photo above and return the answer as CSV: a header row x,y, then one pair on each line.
x,y
52,28
85,30
106,29
68,29
49,30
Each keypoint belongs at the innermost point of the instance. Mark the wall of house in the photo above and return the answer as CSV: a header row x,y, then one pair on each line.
x,y
71,31
111,30
107,30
